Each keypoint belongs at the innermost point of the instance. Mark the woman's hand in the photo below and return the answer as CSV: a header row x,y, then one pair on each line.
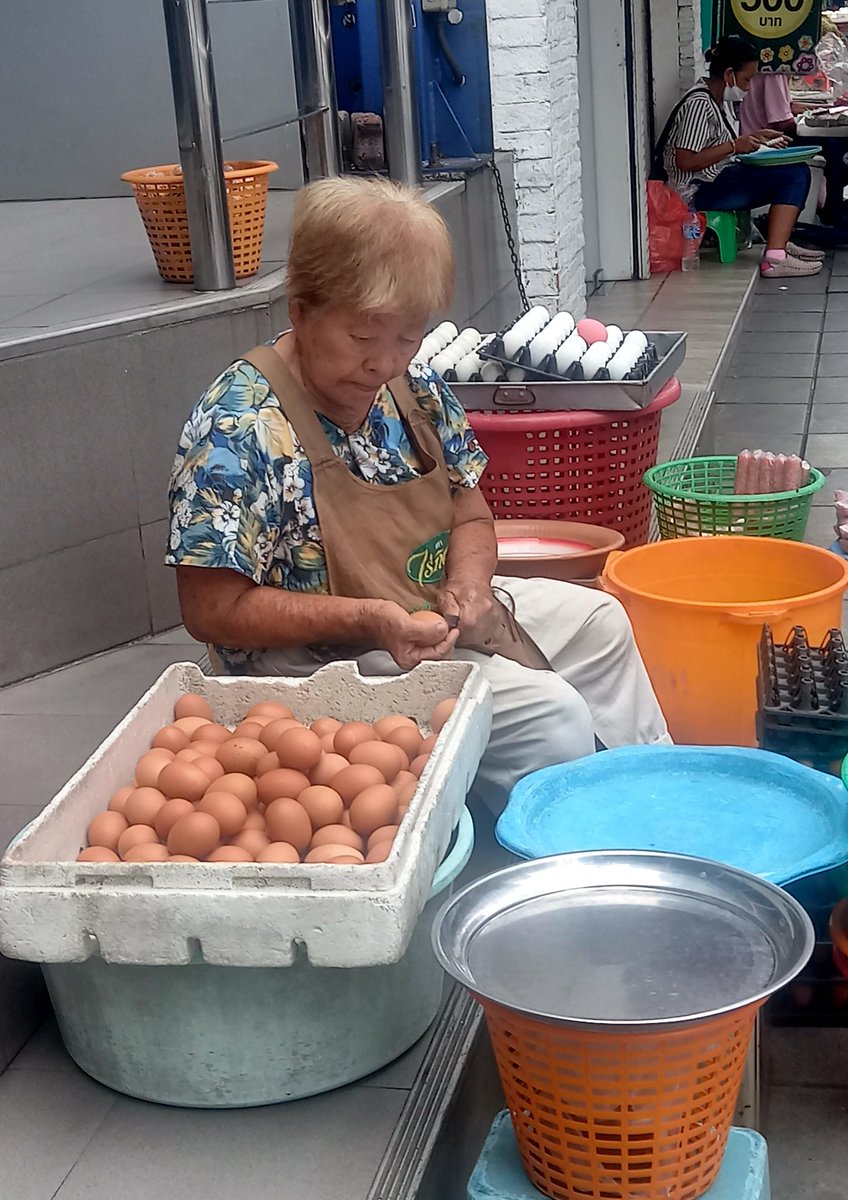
x,y
473,604
747,144
411,642
773,135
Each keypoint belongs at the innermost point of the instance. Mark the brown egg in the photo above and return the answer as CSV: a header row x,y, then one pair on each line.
x,y
380,853
351,735
143,805
269,708
253,841
227,810
190,724
402,778
418,764
249,729
105,829
184,779
407,738
336,835
328,743
354,779
403,809
230,854
211,733
238,785
299,749
282,782
386,724
270,733
97,854
211,767
386,833
346,819
426,616
278,852
288,821
150,764
441,715
170,738
190,754
255,820
136,835
147,852
388,759
197,834
119,801
169,814
428,745
183,858
268,762
406,791
192,705
373,807
323,805
325,725
240,755
326,768
328,854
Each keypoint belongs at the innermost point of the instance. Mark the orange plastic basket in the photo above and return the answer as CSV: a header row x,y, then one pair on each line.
x,y
160,195
621,1116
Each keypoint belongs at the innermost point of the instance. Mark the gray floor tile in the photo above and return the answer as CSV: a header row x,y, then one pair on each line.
x,y
788,366
806,1130
778,342
401,1073
107,685
820,531
836,322
799,322
322,1148
805,285
45,1051
828,449
838,283
830,391
13,307
13,818
178,636
83,306
829,418
791,302
837,303
24,1006
805,1057
835,480
760,420
34,766
765,390
833,366
834,343
46,1122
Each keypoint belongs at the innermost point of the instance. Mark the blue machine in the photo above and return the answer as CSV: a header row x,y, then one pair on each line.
x,y
452,72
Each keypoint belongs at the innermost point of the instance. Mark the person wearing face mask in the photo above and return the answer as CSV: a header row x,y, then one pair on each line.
x,y
698,148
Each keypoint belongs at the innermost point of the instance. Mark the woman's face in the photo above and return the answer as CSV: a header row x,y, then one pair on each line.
x,y
347,356
742,78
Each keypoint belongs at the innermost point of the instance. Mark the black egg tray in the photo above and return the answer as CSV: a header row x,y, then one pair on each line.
x,y
547,372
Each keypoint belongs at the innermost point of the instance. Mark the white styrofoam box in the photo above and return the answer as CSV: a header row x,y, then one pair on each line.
x,y
53,909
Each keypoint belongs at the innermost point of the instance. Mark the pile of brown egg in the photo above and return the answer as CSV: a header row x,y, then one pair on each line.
x,y
273,790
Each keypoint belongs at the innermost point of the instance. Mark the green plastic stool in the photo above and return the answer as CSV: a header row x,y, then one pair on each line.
x,y
723,225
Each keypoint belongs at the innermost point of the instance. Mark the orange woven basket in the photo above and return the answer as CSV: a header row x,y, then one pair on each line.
x,y
160,195
621,1116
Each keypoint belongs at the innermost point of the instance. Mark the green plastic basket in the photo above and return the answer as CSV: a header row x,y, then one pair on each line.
x,y
694,498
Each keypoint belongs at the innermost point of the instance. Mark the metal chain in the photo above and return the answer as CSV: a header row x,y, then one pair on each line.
x,y
510,240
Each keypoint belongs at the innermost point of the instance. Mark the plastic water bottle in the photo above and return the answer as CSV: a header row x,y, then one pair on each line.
x,y
691,260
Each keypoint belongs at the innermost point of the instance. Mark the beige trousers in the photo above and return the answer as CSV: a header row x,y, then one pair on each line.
x,y
598,686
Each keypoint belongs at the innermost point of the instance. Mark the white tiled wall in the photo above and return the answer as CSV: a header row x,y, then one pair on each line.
x,y
690,56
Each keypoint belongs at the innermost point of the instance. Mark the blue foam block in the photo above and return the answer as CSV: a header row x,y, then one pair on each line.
x,y
499,1174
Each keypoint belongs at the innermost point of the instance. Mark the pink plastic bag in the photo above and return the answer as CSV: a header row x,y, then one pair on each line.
x,y
666,214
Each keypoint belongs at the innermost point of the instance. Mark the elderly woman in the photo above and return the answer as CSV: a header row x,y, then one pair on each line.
x,y
326,488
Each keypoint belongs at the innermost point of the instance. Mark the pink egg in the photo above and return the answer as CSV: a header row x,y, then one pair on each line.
x,y
591,330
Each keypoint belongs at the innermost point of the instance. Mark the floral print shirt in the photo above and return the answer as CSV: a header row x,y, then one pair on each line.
x,y
241,486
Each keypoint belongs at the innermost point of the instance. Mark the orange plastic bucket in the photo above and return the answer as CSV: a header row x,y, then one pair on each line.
x,y
698,606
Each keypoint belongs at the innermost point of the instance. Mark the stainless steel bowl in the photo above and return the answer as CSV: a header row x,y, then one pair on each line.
x,y
621,938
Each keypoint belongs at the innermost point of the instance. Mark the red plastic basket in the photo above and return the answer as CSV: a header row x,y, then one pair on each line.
x,y
575,466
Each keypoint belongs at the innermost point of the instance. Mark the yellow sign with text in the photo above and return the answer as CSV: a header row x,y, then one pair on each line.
x,y
766,19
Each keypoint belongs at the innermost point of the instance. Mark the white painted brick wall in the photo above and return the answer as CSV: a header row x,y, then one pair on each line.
x,y
690,56
533,65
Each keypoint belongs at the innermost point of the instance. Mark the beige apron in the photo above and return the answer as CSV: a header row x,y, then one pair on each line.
x,y
386,542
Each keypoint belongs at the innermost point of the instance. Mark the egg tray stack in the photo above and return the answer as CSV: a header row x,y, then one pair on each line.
x,y
802,698
56,910
544,363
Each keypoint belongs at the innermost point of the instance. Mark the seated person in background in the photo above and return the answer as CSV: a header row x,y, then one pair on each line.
x,y
768,102
699,145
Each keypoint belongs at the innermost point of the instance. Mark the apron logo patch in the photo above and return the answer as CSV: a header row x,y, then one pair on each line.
x,y
426,563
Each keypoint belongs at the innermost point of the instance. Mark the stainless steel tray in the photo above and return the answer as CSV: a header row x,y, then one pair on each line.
x,y
564,395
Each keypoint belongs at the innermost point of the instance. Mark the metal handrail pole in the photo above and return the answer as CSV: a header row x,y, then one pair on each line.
x,y
315,83
400,107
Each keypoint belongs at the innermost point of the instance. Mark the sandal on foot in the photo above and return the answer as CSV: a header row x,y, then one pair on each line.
x,y
788,268
805,253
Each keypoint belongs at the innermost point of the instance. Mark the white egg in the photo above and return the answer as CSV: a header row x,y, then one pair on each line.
x,y
470,334
614,337
572,348
636,338
468,366
516,374
453,353
491,372
524,330
441,363
445,332
429,347
596,357
623,362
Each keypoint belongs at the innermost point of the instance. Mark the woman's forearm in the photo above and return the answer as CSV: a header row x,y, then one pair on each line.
x,y
473,554
690,161
226,609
